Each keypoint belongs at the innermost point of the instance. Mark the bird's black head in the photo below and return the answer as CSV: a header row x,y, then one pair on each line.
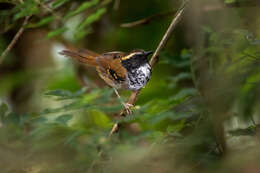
x,y
135,59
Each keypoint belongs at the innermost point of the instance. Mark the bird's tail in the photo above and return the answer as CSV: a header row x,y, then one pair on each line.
x,y
84,56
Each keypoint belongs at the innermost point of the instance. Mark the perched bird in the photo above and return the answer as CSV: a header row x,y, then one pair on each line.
x,y
129,71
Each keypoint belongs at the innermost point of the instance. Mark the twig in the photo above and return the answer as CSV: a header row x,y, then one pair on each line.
x,y
147,20
47,8
201,159
114,129
116,4
94,163
155,58
243,3
15,39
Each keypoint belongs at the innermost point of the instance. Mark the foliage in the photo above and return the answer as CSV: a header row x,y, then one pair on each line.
x,y
203,94
46,13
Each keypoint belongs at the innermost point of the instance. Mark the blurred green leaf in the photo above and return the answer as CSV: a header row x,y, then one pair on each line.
x,y
75,105
59,93
40,120
3,110
180,116
74,135
92,18
111,108
29,7
42,22
160,117
82,33
230,1
63,119
184,93
250,131
100,119
13,118
56,32
91,96
59,3
176,60
81,8
181,76
174,128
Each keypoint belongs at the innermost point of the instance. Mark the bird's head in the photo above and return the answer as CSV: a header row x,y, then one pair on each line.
x,y
135,59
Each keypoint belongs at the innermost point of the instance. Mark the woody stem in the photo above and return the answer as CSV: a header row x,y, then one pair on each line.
x,y
155,58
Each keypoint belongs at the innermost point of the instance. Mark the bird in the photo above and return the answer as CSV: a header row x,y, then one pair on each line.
x,y
120,70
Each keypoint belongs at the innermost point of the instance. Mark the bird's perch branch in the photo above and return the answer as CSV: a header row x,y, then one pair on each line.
x,y
155,57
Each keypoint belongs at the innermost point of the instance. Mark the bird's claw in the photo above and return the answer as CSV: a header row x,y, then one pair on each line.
x,y
128,107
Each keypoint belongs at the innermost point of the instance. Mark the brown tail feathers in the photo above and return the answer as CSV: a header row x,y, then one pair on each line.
x,y
83,56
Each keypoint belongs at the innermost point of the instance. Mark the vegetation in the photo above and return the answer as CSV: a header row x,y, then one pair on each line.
x,y
198,113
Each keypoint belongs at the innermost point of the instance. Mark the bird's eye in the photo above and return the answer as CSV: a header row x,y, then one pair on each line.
x,y
117,56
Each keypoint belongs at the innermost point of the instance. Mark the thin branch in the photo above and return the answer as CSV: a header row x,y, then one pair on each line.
x,y
114,129
15,39
116,4
147,20
47,8
243,3
154,59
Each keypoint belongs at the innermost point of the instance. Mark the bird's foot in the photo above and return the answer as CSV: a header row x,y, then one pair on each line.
x,y
128,107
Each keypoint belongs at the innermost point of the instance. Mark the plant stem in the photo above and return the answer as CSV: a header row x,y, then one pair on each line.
x,y
15,39
155,58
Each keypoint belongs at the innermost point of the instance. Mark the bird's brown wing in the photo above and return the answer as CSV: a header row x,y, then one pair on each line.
x,y
88,52
108,65
84,56
112,66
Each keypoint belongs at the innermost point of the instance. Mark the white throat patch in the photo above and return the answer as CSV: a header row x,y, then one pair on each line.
x,y
139,77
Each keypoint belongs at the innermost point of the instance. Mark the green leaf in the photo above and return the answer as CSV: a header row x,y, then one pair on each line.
x,y
91,96
230,1
180,116
181,76
65,95
82,33
63,119
40,120
29,7
56,32
250,131
176,60
58,3
185,93
73,136
92,18
176,127
100,119
112,108
58,93
81,8
3,110
68,107
160,117
42,22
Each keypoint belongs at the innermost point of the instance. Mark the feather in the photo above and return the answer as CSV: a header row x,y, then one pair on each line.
x,y
86,57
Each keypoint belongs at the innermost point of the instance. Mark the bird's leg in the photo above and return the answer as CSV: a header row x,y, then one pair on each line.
x,y
126,105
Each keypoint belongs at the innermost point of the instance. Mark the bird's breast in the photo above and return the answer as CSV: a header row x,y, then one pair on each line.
x,y
137,78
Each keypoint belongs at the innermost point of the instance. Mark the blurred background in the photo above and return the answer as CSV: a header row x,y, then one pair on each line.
x,y
198,113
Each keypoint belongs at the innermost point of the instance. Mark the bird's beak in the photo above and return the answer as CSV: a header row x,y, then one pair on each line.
x,y
148,53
